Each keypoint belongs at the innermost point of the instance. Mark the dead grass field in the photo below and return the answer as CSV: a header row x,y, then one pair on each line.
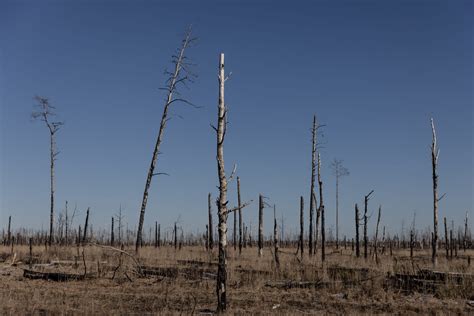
x,y
182,282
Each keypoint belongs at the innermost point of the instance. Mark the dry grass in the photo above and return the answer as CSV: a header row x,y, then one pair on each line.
x,y
129,293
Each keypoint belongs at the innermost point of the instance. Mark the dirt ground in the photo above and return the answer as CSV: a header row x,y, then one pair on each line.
x,y
182,282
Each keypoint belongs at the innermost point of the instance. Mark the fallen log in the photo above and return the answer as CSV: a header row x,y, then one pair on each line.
x,y
53,276
296,284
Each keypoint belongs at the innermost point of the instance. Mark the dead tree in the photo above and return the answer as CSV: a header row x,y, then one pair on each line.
x,y
377,235
210,236
156,234
357,217
112,237
45,113
221,288
313,178
67,225
9,232
84,238
180,76
465,234
366,240
434,164
301,243
240,215
260,225
275,238
339,171
321,211
446,239
159,235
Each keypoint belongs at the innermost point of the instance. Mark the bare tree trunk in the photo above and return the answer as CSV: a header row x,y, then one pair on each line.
x,y
67,227
301,243
446,239
275,238
434,163
411,244
51,216
240,215
234,232
9,233
175,231
321,210
210,237
313,178
156,234
357,217
173,81
159,235
465,234
366,241
84,238
337,212
221,287
377,235
260,225
112,237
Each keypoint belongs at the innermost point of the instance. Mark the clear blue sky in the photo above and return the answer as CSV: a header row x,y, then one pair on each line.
x,y
373,71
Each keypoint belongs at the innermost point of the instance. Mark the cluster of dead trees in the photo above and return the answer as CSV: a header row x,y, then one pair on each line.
x,y
181,75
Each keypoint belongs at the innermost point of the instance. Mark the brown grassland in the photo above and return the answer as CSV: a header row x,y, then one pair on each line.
x,y
169,281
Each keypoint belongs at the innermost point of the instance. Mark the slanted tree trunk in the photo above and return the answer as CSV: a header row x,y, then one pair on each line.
x,y
313,179
260,225
174,80
434,163
357,217
221,288
240,215
301,243
84,238
446,239
210,237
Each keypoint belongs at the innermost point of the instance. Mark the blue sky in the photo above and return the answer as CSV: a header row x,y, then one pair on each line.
x,y
373,71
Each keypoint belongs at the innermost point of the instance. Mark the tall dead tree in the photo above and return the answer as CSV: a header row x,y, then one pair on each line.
x,y
301,243
313,179
366,240
377,235
67,226
339,171
260,225
221,288
112,237
240,215
446,238
45,113
84,238
275,238
465,234
210,236
9,232
434,164
180,76
321,211
357,218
